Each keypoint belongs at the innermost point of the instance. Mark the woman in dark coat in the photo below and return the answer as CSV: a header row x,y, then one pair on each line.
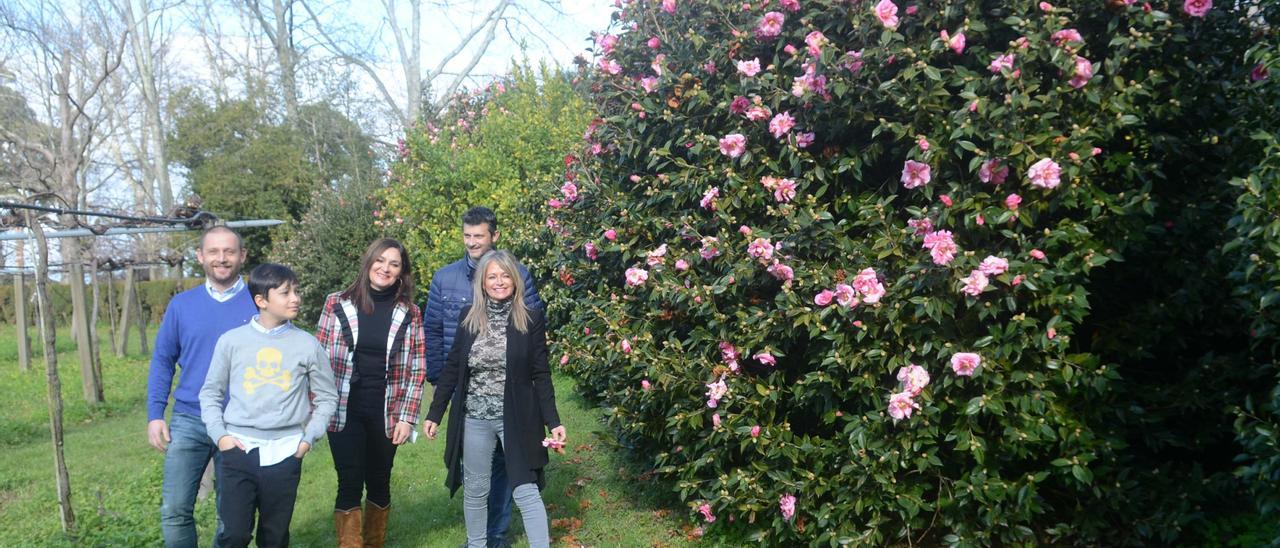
x,y
500,384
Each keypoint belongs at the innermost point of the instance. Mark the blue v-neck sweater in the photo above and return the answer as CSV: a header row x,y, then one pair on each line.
x,y
192,323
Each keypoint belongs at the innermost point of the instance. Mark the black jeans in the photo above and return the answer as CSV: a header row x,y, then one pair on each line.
x,y
362,452
248,487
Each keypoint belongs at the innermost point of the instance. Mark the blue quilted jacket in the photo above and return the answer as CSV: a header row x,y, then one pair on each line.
x,y
451,292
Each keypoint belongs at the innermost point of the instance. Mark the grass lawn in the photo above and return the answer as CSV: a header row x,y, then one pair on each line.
x,y
593,496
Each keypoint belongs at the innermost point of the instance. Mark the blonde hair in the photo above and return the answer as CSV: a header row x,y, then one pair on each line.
x,y
477,318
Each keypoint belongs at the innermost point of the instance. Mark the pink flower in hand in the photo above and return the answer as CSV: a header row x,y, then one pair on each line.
x,y
964,363
915,174
1045,174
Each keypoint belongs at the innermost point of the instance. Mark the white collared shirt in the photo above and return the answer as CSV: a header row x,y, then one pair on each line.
x,y
273,331
224,296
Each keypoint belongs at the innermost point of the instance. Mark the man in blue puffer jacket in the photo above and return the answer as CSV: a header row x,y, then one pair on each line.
x,y
450,292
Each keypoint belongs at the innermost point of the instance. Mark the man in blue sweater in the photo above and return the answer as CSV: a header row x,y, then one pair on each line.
x,y
192,323
449,293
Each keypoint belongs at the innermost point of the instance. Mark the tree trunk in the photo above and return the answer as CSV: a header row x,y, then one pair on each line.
x,y
111,315
20,310
141,322
62,478
126,310
287,56
80,322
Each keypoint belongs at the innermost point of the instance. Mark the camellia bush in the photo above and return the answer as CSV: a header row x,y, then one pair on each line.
x,y
830,258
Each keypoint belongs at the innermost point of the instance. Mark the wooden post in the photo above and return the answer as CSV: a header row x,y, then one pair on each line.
x,y
62,478
20,310
126,309
141,322
94,349
89,381
111,315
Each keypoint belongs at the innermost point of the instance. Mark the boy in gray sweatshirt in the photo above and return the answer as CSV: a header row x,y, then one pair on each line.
x,y
268,397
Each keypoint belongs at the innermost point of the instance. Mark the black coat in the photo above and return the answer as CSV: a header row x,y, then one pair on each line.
x,y
528,402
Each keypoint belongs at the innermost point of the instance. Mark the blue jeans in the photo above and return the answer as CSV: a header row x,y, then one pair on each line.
x,y
184,462
499,500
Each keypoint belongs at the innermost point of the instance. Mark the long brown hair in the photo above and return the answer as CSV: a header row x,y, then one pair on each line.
x,y
478,318
358,291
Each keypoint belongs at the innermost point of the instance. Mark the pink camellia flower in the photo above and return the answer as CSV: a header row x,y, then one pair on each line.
x,y
945,199
921,226
1051,333
654,42
781,272
708,201
1045,174
1002,62
1096,151
649,84
1197,8
709,248
625,346
789,50
901,406
993,171
852,61
1036,254
973,106
569,190
760,249
1066,36
964,363
974,284
823,298
706,508
922,143
555,203
993,265
744,229
803,140
787,505
1011,201
729,355
1045,6
1084,71
1259,73
715,423
913,378
770,25
644,385
749,68
607,42
715,392
846,295
915,174
610,66
790,5
656,65
733,145
765,358
956,43
785,191
887,12
682,265
739,105
611,235
758,113
868,285
814,42
669,6
781,124
564,359
942,247
755,431
636,276
912,9
590,248
1074,156
1017,280
657,256
979,219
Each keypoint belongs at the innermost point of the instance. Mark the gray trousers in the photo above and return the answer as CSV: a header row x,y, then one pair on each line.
x,y
478,440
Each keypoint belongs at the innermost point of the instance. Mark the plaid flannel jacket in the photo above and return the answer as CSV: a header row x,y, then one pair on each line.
x,y
406,358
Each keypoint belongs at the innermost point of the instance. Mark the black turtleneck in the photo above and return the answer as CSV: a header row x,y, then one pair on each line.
x,y
371,348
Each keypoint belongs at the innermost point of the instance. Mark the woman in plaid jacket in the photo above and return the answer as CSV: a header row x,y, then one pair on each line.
x,y
374,336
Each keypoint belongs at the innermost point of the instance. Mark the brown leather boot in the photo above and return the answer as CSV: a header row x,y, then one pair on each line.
x,y
375,524
348,524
